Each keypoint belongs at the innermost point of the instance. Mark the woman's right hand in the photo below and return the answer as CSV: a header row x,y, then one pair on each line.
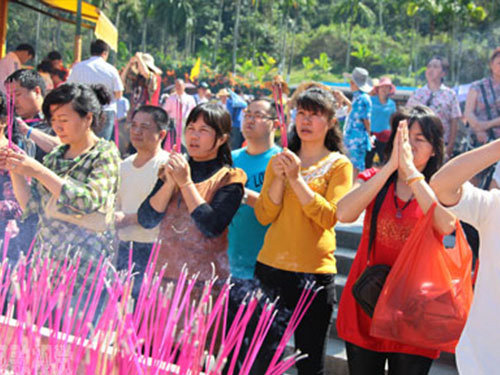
x,y
393,162
165,176
278,167
19,163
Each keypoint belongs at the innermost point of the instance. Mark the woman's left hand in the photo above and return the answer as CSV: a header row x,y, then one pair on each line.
x,y
178,167
291,164
19,163
406,166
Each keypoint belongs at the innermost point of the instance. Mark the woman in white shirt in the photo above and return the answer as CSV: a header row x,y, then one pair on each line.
x,y
477,351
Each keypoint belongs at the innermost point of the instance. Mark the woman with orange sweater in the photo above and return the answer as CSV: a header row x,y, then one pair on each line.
x,y
298,198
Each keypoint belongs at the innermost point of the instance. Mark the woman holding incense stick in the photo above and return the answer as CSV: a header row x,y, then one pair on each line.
x,y
298,199
196,198
73,191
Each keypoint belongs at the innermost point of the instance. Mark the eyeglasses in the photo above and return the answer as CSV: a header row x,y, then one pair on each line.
x,y
256,116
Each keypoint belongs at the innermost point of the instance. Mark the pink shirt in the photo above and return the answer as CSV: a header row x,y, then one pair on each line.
x,y
187,103
8,65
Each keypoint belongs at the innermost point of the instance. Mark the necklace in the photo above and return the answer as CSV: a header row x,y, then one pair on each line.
x,y
399,210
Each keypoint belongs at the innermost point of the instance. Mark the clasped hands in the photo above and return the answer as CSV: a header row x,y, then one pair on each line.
x,y
402,156
176,171
18,162
286,165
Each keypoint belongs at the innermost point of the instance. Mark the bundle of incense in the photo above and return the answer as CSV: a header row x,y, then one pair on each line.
x,y
10,96
278,101
178,129
56,329
117,133
167,146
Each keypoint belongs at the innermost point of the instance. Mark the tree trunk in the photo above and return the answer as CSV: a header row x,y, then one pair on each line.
x,y
37,38
193,41
58,36
412,44
144,34
290,59
114,56
187,40
284,24
380,14
349,35
459,64
348,54
162,42
219,31
235,34
453,48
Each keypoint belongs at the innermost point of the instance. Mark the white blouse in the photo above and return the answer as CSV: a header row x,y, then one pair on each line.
x,y
478,351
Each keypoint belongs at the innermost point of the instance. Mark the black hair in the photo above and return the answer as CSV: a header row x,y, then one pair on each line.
x,y
319,100
28,79
219,119
272,105
84,99
98,47
54,55
160,116
432,129
45,66
16,134
60,73
26,47
445,65
3,105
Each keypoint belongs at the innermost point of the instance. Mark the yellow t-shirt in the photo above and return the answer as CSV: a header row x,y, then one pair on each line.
x,y
302,238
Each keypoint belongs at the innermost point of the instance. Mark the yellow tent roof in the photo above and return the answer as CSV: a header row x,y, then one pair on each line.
x,y
104,28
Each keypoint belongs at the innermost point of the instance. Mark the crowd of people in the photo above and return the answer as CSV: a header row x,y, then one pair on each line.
x,y
232,202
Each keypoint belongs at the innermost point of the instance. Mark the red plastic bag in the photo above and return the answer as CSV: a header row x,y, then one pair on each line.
x,y
428,293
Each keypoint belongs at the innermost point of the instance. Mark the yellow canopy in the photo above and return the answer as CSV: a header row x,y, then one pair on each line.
x,y
104,28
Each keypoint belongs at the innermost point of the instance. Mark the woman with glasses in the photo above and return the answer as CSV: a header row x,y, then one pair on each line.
x,y
195,198
299,199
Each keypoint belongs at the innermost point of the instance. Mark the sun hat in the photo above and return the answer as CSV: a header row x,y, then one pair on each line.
x,y
223,92
150,63
384,81
361,78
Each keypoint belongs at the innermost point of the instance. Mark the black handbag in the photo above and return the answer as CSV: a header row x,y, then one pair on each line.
x,y
368,287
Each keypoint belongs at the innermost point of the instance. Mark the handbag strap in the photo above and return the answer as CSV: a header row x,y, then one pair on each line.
x,y
490,131
494,96
430,99
485,100
377,205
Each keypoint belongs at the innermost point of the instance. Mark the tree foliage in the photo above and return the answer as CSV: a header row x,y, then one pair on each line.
x,y
320,37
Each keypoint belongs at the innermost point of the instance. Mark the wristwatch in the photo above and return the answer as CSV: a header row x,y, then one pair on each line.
x,y
245,197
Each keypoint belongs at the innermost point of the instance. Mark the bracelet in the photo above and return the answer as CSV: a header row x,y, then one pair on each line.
x,y
414,179
28,134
